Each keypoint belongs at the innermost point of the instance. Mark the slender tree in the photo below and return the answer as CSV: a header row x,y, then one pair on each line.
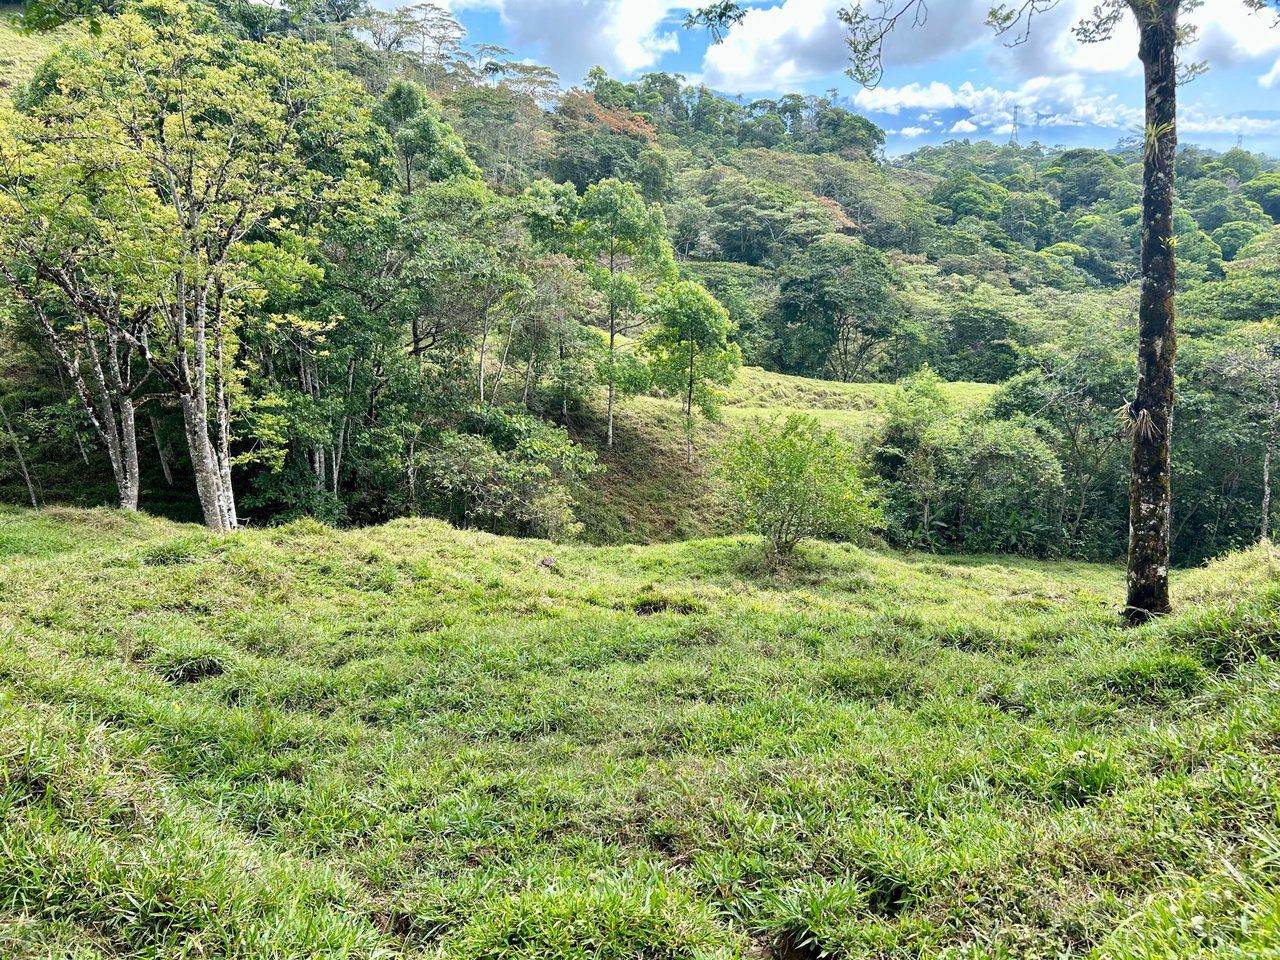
x,y
83,327
1150,414
690,350
16,443
1253,365
623,244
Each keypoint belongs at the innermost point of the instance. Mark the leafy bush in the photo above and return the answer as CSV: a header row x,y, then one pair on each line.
x,y
966,481
506,473
793,481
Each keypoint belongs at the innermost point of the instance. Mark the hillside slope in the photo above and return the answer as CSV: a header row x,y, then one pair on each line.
x,y
650,494
410,741
21,53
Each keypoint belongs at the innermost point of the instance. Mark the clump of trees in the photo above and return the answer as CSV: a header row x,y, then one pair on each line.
x,y
137,239
1149,414
401,251
230,243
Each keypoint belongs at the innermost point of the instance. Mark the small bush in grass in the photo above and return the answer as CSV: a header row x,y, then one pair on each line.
x,y
793,480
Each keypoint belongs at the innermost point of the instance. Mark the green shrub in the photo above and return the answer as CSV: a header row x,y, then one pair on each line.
x,y
506,473
793,481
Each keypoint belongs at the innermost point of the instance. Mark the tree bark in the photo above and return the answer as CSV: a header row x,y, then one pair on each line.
x,y
22,461
1151,413
161,452
1266,474
612,385
205,463
688,405
129,454
211,460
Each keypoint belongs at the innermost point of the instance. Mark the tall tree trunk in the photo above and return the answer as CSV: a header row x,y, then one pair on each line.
x,y
1150,492
688,406
528,380
1266,474
613,333
210,461
612,385
205,463
161,451
222,412
129,454
502,364
22,461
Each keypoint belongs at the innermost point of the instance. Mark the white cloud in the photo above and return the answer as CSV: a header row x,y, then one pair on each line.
x,y
1232,34
1271,79
572,36
794,41
1040,102
1229,33
963,126
1196,121
913,132
912,96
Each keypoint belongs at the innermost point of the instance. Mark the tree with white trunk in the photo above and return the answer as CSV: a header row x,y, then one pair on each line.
x,y
156,180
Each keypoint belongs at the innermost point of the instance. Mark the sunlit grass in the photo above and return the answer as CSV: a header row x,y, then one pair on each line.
x,y
412,741
21,53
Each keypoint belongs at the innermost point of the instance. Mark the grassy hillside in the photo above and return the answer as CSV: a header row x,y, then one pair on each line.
x,y
651,494
414,742
21,53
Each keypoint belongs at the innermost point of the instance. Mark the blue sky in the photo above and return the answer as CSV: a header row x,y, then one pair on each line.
x,y
949,78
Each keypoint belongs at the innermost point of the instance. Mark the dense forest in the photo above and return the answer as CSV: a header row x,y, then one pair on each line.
x,y
339,262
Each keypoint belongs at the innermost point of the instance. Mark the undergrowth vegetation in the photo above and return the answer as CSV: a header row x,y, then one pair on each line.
x,y
410,741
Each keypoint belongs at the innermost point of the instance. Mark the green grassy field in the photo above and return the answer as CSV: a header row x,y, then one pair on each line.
x,y
410,741
21,53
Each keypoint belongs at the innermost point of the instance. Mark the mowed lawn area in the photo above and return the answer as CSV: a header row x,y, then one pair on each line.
x,y
410,741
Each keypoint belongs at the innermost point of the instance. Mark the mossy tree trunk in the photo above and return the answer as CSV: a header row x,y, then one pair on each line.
x,y
1151,413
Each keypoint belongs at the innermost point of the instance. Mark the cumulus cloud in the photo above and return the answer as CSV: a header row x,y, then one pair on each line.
x,y
1228,34
1197,121
791,42
572,36
1233,34
1053,80
1271,79
1040,102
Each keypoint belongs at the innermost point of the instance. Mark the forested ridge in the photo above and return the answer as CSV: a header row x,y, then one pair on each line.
x,y
431,279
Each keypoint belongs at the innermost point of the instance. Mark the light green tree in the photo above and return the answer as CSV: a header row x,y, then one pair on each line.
x,y
792,480
623,244
689,350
